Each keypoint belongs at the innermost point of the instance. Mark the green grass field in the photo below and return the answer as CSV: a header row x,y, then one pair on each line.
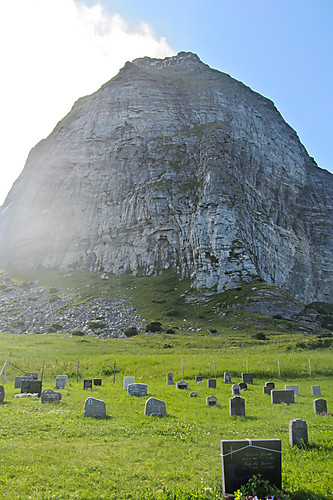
x,y
53,451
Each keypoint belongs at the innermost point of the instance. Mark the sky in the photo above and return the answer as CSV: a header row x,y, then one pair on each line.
x,y
56,51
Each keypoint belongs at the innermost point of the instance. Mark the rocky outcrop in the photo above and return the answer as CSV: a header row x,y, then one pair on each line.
x,y
174,164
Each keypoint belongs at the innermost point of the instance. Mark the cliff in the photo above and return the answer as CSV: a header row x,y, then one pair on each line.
x,y
172,164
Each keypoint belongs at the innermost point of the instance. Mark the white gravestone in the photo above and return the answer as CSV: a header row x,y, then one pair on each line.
x,y
127,381
292,388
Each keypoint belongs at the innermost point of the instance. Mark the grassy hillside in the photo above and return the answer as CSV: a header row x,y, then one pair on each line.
x,y
52,451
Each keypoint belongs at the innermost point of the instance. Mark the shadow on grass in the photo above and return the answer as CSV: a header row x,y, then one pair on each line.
x,y
307,495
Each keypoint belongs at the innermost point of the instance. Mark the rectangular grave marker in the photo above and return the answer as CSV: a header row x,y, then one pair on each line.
x,y
247,378
87,384
211,383
294,388
170,379
97,381
244,458
137,389
282,397
31,387
127,381
298,433
182,385
227,377
320,405
237,407
316,391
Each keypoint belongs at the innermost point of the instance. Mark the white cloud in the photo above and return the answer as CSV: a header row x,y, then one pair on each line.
x,y
52,53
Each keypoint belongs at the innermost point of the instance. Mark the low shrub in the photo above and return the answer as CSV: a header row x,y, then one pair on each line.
x,y
131,331
154,326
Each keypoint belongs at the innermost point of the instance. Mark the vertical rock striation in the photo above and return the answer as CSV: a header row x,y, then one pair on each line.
x,y
172,164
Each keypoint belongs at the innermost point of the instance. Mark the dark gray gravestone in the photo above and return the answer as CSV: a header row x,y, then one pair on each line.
x,y
155,407
31,387
31,376
244,458
292,388
170,379
198,379
247,378
227,377
211,401
298,433
211,383
50,396
237,407
268,387
320,405
87,384
315,389
97,381
18,382
193,395
137,389
2,393
182,385
243,386
285,397
236,390
127,381
94,408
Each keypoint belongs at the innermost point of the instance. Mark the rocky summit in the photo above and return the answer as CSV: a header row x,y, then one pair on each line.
x,y
172,164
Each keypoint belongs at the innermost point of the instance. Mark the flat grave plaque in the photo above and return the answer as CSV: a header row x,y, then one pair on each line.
x,y
244,458
97,381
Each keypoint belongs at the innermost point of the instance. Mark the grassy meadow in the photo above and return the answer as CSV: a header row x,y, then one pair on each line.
x,y
53,451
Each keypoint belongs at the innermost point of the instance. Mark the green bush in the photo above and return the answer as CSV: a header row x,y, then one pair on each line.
x,y
131,331
95,325
78,333
154,326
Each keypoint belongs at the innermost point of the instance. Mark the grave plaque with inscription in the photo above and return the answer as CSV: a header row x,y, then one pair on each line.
x,y
315,389
294,388
31,387
87,384
227,377
237,407
211,401
211,383
182,385
298,433
97,381
247,378
170,379
320,405
137,389
244,458
50,396
282,397
198,379
155,407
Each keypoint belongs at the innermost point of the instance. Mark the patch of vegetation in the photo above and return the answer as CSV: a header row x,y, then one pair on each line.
x,y
154,327
131,331
96,325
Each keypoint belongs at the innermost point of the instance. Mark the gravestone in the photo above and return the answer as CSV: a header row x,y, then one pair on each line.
x,y
247,378
87,384
211,383
170,379
97,381
298,433
50,396
18,382
155,407
237,407
244,458
236,390
94,408
61,381
243,386
137,389
227,377
320,405
292,388
198,379
182,385
31,387
268,387
31,376
211,401
285,397
193,394
127,381
315,389
2,393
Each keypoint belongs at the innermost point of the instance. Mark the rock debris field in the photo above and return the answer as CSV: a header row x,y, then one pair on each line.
x,y
28,308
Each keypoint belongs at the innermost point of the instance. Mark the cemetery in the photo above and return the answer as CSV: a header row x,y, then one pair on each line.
x,y
156,416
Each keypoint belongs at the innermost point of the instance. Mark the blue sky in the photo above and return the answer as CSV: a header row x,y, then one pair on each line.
x,y
55,51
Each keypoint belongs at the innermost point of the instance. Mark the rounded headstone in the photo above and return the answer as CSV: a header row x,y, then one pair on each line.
x,y
94,408
155,407
2,393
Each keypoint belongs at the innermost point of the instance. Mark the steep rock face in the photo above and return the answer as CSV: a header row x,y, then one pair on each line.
x,y
174,164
